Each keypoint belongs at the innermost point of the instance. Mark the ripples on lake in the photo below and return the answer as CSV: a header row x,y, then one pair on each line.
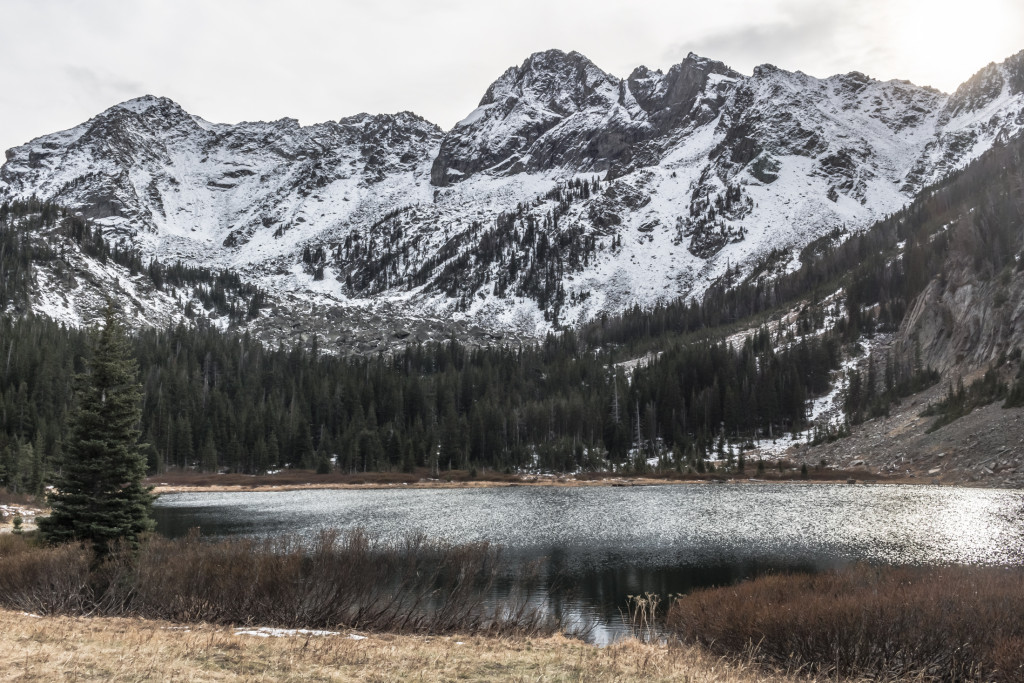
x,y
600,544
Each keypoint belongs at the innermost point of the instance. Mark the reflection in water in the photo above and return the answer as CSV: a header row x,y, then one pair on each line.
x,y
599,597
597,546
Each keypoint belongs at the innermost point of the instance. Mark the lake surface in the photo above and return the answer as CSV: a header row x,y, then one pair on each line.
x,y
597,545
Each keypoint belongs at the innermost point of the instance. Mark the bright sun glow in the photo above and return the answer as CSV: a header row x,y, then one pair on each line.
x,y
942,43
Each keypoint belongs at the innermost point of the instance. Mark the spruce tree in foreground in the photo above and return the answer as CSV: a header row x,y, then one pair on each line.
x,y
99,495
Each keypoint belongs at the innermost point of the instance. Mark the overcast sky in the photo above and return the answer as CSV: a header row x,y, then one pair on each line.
x,y
232,60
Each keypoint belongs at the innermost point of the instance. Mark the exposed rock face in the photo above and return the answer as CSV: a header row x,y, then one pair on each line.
x,y
559,110
553,110
683,94
965,321
700,168
971,313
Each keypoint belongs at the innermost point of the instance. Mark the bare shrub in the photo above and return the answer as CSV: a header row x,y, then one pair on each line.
x,y
337,580
643,616
43,580
946,624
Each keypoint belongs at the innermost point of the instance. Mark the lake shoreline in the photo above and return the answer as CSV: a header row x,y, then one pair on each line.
x,y
264,484
631,482
207,482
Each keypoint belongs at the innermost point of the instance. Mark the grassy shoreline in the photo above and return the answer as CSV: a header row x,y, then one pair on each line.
x,y
188,608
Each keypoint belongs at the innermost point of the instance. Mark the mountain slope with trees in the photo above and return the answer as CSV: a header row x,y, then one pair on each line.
x,y
722,377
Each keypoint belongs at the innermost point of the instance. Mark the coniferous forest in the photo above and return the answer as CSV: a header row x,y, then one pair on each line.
x,y
220,401
216,400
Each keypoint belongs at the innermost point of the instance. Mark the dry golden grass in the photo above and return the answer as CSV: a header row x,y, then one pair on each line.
x,y
113,649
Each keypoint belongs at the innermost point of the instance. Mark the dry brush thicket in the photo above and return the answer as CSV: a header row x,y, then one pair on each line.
x,y
334,580
942,624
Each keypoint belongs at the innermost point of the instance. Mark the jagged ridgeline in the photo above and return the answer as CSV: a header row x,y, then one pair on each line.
x,y
705,175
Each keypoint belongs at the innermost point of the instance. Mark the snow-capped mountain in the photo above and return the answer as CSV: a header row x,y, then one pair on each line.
x,y
567,193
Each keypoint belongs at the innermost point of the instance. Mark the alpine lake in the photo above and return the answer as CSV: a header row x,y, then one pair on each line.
x,y
592,547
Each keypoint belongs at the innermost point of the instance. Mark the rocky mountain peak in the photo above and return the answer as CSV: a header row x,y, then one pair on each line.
x,y
669,99
766,70
567,193
550,89
854,79
149,112
145,103
987,85
559,80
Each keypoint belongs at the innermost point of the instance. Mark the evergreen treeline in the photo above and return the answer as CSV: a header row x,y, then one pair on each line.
x,y
221,401
697,398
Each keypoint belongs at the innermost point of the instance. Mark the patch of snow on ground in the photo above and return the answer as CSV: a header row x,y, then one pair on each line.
x,y
267,632
629,366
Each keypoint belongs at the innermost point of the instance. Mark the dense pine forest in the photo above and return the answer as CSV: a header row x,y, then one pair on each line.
x,y
216,401
219,401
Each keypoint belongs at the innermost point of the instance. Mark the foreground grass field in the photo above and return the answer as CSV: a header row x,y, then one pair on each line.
x,y
117,649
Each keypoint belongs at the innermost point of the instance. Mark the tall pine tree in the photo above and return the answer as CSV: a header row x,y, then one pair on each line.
x,y
99,495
